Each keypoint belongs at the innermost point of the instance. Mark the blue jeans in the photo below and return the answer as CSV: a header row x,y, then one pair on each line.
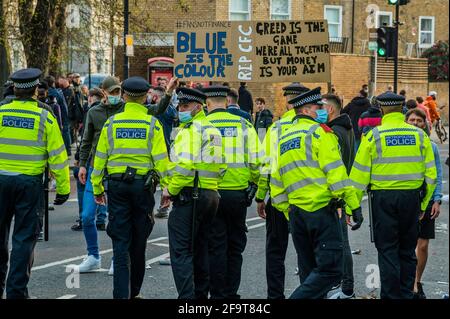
x,y
101,210
88,217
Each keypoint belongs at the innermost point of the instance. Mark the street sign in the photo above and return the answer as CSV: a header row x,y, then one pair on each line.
x,y
373,35
130,50
130,47
373,45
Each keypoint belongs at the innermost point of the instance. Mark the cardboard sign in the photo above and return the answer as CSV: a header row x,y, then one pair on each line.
x,y
252,51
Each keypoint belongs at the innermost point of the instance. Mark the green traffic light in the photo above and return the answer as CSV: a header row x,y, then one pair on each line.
x,y
393,1
381,52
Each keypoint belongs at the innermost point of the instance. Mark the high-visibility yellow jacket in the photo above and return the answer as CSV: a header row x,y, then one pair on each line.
x,y
29,139
197,147
131,138
310,167
395,155
241,148
266,181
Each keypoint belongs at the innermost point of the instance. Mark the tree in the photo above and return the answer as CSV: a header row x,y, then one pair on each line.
x,y
437,57
38,32
4,65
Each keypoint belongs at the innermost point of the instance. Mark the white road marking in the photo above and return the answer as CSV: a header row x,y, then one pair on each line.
x,y
65,261
161,244
67,297
253,218
73,200
156,259
256,226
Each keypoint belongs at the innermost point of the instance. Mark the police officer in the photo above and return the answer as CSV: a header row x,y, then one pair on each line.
x,y
29,140
277,229
310,168
195,173
395,160
131,145
243,155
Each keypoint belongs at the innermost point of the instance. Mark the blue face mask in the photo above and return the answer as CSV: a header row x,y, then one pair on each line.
x,y
185,116
113,100
322,116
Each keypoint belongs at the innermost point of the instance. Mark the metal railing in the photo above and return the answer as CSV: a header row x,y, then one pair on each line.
x,y
338,44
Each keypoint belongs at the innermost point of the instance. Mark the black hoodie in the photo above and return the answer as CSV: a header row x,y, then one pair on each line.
x,y
342,127
354,109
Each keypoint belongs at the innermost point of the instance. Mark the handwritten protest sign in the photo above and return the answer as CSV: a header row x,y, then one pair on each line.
x,y
242,51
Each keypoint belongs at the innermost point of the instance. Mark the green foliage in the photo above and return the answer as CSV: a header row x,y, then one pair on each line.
x,y
437,57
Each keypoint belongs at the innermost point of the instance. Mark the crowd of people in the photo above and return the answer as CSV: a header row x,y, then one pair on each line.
x,y
212,154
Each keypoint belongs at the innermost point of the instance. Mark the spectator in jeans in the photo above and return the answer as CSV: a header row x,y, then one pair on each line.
x,y
234,108
354,109
95,97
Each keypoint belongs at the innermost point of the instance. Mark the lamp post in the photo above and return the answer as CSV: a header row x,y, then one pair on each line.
x,y
125,33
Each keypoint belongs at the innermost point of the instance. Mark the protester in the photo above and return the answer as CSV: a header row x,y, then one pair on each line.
x,y
370,118
234,108
432,107
354,109
421,105
245,99
263,116
411,104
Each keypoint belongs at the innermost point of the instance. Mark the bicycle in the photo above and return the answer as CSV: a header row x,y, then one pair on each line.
x,y
440,131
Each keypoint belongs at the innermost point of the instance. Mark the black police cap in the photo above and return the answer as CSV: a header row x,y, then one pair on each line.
x,y
26,78
310,97
390,99
135,86
186,95
295,89
216,91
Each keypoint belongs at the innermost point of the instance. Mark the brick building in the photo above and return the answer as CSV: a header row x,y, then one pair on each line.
x,y
424,23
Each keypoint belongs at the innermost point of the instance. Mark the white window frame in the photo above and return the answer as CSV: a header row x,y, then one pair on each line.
x,y
383,13
241,12
325,7
277,14
433,28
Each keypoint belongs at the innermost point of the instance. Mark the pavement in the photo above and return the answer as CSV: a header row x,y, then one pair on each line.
x,y
52,277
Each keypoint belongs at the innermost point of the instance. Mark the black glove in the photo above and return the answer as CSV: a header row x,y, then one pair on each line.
x,y
61,199
250,192
357,218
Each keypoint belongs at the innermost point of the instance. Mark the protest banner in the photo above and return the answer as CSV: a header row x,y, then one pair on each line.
x,y
252,51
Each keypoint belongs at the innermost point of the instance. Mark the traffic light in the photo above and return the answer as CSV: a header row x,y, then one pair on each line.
x,y
386,42
401,2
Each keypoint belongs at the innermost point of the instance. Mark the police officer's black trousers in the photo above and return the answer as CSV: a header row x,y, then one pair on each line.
x,y
317,238
277,238
19,198
190,268
396,228
131,221
228,241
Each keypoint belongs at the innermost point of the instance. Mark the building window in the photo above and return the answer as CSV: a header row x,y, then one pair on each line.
x,y
426,32
280,9
384,19
240,10
333,14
